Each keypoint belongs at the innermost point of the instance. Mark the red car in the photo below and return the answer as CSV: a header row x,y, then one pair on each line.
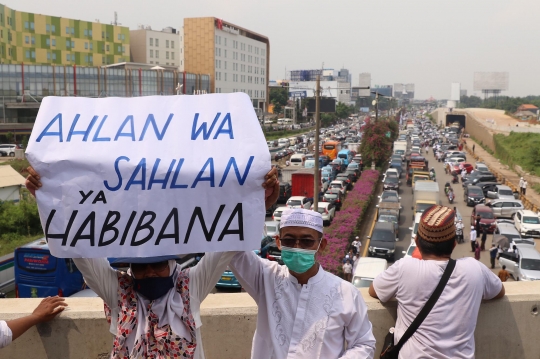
x,y
458,168
487,218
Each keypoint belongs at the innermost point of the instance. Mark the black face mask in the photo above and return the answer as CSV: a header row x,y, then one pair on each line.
x,y
154,287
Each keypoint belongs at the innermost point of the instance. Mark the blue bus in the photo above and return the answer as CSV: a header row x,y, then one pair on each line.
x,y
346,156
39,274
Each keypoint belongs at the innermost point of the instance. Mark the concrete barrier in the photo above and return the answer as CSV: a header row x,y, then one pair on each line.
x,y
507,328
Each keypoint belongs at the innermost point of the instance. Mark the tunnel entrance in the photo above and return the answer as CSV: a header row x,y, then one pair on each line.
x,y
450,119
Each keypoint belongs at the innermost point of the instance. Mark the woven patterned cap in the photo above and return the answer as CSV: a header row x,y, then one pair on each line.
x,y
437,224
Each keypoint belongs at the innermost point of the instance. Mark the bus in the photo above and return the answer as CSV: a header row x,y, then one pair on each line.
x,y
39,274
346,156
331,149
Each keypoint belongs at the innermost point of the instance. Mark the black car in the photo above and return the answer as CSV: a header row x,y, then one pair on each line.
x,y
477,176
285,191
391,183
345,178
382,241
473,195
353,172
335,197
487,186
280,155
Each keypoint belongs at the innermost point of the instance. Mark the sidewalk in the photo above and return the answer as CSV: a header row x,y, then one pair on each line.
x,y
504,174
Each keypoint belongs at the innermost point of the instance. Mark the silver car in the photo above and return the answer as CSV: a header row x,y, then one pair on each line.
x,y
501,192
507,228
505,207
525,265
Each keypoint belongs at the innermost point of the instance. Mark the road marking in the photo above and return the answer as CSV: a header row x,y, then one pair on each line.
x,y
370,233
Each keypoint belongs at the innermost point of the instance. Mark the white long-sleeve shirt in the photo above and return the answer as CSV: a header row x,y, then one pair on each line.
x,y
103,280
5,334
326,318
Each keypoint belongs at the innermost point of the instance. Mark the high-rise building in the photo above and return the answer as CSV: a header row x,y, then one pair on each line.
x,y
164,48
236,59
41,39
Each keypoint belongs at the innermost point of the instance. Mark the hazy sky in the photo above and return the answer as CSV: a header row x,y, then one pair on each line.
x,y
430,43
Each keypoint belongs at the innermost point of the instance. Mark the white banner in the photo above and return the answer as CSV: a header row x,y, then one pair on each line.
x,y
149,176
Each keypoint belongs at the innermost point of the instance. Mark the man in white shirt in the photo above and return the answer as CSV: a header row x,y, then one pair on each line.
x,y
448,330
304,311
347,270
473,238
47,309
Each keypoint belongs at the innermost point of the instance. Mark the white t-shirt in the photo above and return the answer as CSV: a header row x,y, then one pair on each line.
x,y
448,330
347,268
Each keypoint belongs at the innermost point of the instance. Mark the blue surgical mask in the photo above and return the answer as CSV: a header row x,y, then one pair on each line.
x,y
298,260
153,288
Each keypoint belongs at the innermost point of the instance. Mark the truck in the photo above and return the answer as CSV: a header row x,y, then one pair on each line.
x,y
302,182
400,148
426,194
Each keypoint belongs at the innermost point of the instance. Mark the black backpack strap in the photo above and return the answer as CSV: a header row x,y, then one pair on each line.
x,y
428,306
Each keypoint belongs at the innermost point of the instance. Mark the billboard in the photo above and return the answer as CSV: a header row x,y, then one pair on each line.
x,y
327,105
364,81
485,81
455,91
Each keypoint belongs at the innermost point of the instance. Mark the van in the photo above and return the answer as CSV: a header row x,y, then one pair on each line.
x,y
346,156
367,269
298,160
525,265
283,142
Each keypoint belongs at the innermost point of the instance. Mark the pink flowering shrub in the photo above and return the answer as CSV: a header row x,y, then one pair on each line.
x,y
344,226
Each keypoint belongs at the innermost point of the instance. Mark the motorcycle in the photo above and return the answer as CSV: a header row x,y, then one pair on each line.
x,y
459,235
450,196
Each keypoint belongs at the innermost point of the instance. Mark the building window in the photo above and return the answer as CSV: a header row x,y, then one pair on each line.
x,y
86,46
172,55
225,53
68,43
67,31
167,43
157,42
53,28
107,48
27,39
54,56
48,56
48,29
26,25
27,54
103,34
172,44
73,57
119,36
54,42
123,49
33,40
68,57
48,42
167,55
91,46
157,52
86,34
151,53
151,62
225,41
151,42
225,76
72,44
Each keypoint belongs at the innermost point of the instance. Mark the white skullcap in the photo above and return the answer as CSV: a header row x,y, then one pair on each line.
x,y
300,217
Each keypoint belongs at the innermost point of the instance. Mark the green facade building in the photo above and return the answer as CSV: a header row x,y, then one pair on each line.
x,y
40,39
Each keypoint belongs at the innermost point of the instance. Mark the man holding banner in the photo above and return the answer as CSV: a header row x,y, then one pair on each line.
x,y
126,178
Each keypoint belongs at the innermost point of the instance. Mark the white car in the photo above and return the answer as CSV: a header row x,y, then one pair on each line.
x,y
9,150
339,185
276,216
409,252
414,228
391,172
298,202
327,211
453,161
266,122
527,223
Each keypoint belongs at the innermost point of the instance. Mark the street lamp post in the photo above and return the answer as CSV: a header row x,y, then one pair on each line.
x,y
316,177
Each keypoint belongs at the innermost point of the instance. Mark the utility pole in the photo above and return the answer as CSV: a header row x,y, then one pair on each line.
x,y
317,131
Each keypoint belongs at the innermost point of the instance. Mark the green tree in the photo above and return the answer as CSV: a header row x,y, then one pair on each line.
x,y
278,98
328,119
9,137
375,146
343,110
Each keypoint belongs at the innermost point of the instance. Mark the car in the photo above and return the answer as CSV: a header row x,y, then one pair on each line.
x,y
412,251
334,196
487,186
389,196
298,202
272,229
339,185
357,159
475,177
327,211
455,161
267,122
527,223
229,280
277,214
285,191
487,218
338,164
324,160
455,154
501,192
390,218
366,270
414,228
395,158
391,183
9,149
505,207
507,228
481,167
382,241
397,165
459,168
473,195
525,265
